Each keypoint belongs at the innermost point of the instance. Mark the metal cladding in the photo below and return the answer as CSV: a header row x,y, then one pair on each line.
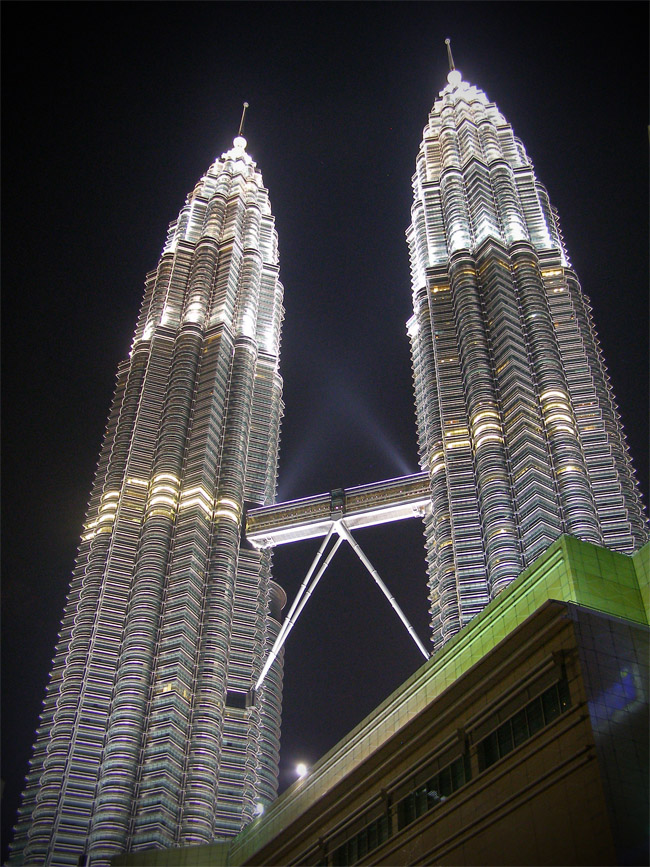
x,y
517,424
148,737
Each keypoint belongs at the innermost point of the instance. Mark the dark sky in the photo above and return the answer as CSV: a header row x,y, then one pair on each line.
x,y
112,112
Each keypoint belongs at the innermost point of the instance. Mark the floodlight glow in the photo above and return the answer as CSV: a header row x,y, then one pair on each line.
x,y
194,312
301,770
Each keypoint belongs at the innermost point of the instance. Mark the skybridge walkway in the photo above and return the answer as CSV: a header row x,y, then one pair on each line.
x,y
362,506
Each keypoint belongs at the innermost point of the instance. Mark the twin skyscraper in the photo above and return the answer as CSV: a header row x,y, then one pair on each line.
x,y
148,736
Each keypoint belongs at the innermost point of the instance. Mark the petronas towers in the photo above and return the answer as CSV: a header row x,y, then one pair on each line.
x,y
517,424
148,736
151,734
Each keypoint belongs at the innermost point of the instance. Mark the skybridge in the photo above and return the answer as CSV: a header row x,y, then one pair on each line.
x,y
334,516
363,506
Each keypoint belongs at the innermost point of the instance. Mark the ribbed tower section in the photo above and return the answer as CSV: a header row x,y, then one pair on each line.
x,y
517,423
148,737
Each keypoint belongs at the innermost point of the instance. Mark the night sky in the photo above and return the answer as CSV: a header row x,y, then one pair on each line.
x,y
113,111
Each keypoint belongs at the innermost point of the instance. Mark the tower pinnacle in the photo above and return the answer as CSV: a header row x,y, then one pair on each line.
x,y
453,77
240,141
449,55
241,122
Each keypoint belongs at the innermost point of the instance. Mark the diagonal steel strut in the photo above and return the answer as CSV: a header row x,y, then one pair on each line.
x,y
299,603
343,531
306,589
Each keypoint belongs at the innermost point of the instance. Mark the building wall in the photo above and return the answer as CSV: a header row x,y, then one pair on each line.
x,y
542,803
614,657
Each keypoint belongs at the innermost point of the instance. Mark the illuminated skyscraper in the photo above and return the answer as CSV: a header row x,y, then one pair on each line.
x,y
517,425
149,737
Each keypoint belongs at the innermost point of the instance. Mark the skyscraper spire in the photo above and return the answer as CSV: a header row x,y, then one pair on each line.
x,y
241,123
453,76
148,737
517,423
449,55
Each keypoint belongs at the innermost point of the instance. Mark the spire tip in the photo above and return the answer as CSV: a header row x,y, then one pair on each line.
x,y
241,123
449,55
453,76
239,141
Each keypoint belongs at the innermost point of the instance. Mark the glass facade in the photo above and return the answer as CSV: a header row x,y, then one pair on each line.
x,y
539,712
148,736
517,424
434,791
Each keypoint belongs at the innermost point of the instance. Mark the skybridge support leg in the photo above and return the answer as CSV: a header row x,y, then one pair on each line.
x,y
343,532
299,602
289,618
307,588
